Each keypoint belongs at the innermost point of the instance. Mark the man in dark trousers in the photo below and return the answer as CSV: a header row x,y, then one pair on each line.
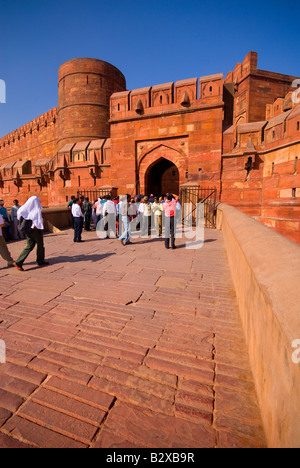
x,y
169,207
87,213
78,220
70,208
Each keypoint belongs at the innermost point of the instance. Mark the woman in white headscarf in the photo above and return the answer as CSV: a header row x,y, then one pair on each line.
x,y
32,211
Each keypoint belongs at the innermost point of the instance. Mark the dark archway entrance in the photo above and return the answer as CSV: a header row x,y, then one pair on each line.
x,y
162,177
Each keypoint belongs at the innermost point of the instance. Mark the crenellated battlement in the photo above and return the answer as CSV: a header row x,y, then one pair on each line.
x,y
37,124
240,134
168,97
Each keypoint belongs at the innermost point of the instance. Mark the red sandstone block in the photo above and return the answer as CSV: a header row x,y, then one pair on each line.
x,y
23,343
80,392
106,350
192,414
9,400
121,364
181,359
159,430
73,353
239,405
110,439
68,360
136,339
136,382
113,375
10,442
17,357
197,388
111,344
16,386
131,395
69,406
230,440
41,329
4,415
240,427
204,351
180,370
233,383
59,370
59,422
194,400
38,435
22,373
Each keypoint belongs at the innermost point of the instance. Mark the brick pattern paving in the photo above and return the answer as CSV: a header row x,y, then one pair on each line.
x,y
135,346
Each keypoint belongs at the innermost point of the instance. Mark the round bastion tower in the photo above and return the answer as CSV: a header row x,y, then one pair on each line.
x,y
84,89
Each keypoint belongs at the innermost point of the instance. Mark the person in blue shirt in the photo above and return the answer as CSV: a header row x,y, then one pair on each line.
x,y
7,228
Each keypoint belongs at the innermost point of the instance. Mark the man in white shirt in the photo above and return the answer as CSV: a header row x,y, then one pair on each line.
x,y
124,206
109,215
78,220
4,252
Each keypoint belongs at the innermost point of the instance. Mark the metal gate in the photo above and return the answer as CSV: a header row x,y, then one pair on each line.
x,y
94,194
196,194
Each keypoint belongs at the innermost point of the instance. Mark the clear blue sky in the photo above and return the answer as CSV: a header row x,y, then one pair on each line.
x,y
151,42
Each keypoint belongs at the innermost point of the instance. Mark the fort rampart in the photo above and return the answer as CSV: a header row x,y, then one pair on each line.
x,y
240,135
266,269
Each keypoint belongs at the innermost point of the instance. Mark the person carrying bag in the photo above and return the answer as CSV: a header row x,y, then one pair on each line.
x,y
31,225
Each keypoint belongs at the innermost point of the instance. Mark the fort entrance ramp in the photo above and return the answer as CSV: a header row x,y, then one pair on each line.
x,y
135,347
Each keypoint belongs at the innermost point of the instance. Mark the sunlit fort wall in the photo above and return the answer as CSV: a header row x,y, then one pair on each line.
x,y
239,134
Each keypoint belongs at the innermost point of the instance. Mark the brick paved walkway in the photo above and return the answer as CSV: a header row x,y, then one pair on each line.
x,y
114,346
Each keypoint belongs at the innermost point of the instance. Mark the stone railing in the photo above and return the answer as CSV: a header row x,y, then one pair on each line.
x,y
266,272
59,217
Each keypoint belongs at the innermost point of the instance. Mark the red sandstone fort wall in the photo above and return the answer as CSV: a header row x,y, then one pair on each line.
x,y
35,140
180,122
240,135
269,188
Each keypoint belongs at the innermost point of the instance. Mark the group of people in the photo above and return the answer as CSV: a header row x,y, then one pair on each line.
x,y
29,224
119,217
10,227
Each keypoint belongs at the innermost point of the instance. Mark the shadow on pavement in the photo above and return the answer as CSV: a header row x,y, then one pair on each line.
x,y
70,259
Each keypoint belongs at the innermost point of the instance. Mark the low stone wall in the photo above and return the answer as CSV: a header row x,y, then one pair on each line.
x,y
266,272
59,217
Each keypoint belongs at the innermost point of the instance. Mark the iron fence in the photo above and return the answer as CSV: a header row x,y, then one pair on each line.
x,y
195,194
94,194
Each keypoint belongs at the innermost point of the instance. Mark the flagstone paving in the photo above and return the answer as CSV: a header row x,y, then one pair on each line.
x,y
134,347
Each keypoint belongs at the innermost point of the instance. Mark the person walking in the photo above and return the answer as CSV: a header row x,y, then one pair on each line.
x,y
94,216
157,210
14,219
87,213
78,220
109,215
70,208
7,225
98,210
147,218
4,252
169,208
124,206
31,212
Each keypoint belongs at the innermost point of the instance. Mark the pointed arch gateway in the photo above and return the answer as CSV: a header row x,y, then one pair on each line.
x,y
162,177
162,170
